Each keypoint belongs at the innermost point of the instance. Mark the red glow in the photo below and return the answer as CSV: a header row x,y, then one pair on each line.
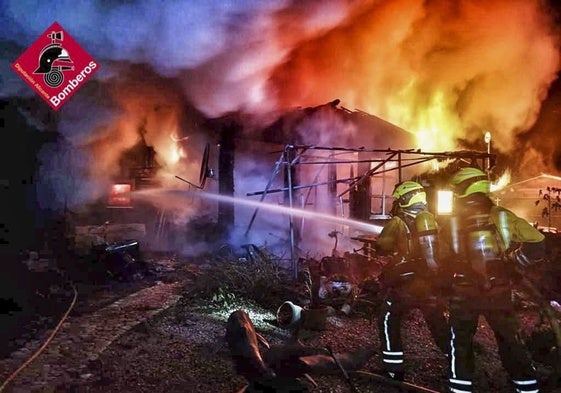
x,y
119,195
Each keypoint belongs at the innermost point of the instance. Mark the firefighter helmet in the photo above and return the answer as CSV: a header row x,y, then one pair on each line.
x,y
408,193
468,181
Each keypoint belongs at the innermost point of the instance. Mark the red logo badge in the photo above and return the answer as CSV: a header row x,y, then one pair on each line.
x,y
55,66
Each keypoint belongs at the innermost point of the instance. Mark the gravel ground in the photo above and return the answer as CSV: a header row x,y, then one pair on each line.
x,y
183,349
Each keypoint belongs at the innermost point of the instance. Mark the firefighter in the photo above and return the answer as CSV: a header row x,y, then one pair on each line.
x,y
410,240
491,247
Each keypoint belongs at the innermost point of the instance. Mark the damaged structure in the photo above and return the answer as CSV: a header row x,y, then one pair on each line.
x,y
326,160
295,162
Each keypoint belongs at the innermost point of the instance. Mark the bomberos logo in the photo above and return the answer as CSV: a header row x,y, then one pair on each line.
x,y
55,66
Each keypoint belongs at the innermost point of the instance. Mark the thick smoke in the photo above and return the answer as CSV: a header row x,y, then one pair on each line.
x,y
443,70
455,69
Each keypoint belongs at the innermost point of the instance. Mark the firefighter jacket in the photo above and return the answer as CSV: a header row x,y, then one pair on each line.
x,y
411,242
490,242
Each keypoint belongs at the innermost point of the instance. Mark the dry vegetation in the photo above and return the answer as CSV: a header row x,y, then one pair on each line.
x,y
183,348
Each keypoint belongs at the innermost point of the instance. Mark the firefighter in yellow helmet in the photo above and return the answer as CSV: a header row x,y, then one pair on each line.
x,y
488,243
410,240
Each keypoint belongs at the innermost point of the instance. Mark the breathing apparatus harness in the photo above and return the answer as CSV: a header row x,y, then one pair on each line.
x,y
481,250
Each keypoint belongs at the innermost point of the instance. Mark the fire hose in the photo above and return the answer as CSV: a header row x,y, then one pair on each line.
x,y
45,344
401,385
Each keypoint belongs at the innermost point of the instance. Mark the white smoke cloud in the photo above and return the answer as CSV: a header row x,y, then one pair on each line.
x,y
459,66
177,35
222,50
485,64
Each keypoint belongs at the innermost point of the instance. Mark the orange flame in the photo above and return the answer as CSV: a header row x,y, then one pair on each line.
x,y
151,113
441,70
177,152
502,181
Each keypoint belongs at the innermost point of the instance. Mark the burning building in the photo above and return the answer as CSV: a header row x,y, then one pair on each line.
x,y
444,72
353,183
227,167
201,109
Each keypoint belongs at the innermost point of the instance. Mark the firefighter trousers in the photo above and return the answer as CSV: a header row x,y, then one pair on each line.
x,y
392,312
464,315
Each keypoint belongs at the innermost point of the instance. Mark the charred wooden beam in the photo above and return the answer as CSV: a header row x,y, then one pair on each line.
x,y
226,164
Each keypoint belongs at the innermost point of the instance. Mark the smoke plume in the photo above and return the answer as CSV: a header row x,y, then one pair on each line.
x,y
445,71
440,69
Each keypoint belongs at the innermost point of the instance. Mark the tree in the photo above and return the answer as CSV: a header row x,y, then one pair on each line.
x,y
553,202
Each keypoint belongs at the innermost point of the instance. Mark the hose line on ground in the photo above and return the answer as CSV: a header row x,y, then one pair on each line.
x,y
45,344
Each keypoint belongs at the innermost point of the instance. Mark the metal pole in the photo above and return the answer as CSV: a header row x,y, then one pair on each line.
x,y
488,141
368,173
399,166
312,185
384,191
303,207
291,217
488,158
269,184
